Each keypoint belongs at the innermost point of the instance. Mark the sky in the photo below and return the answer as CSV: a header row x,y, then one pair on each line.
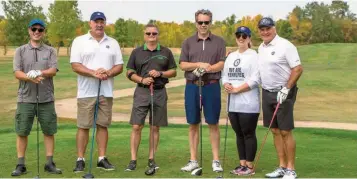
x,y
178,11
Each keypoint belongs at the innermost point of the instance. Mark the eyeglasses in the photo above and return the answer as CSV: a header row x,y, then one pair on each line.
x,y
34,29
203,22
151,33
244,36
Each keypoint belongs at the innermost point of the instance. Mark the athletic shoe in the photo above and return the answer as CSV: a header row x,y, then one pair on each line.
x,y
237,169
131,166
290,174
216,166
277,173
51,168
246,171
191,165
151,164
19,170
80,165
105,164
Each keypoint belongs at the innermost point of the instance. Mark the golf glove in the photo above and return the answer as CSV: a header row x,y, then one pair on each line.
x,y
282,95
199,72
33,74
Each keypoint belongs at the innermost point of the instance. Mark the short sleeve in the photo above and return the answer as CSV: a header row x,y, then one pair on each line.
x,y
172,63
17,65
131,61
184,57
75,51
292,56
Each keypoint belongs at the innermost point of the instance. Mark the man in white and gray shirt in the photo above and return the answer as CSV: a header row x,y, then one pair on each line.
x,y
279,68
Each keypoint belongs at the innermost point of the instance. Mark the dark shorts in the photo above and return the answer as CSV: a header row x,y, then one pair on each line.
x,y
284,119
26,112
142,105
211,101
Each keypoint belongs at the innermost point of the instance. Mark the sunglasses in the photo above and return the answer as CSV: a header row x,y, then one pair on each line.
x,y
34,29
151,33
244,36
203,22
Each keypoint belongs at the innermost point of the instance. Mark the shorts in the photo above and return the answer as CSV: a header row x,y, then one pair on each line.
x,y
284,119
211,102
26,112
86,108
142,105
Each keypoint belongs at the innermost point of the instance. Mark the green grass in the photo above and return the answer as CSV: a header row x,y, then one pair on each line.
x,y
320,153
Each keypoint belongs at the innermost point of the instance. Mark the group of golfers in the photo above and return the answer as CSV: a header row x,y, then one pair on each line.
x,y
97,59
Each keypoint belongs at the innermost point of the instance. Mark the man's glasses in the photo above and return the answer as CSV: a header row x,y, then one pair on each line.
x,y
34,29
151,33
244,36
203,22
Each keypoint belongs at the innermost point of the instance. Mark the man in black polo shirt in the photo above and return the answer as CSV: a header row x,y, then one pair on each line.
x,y
150,63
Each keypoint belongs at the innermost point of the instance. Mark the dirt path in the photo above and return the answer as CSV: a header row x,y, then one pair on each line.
x,y
67,108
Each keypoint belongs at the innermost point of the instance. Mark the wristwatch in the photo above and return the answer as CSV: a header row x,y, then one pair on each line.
x,y
160,73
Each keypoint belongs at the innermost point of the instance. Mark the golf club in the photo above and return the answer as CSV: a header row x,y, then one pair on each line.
x,y
89,174
151,170
38,133
225,136
198,171
265,138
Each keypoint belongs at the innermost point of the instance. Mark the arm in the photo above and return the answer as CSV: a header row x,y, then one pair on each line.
x,y
116,70
294,76
52,70
49,72
293,60
82,70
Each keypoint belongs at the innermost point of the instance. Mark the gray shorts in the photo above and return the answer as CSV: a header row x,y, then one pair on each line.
x,y
142,105
284,119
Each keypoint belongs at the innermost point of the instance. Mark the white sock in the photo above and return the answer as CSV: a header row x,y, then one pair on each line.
x,y
100,158
194,161
215,161
80,158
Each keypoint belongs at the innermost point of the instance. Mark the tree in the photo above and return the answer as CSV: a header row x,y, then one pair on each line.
x,y
19,14
65,18
135,32
339,9
109,30
284,29
3,37
121,32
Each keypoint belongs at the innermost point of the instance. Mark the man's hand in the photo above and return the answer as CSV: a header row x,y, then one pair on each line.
x,y
147,81
37,79
101,74
203,65
154,73
33,74
199,72
282,95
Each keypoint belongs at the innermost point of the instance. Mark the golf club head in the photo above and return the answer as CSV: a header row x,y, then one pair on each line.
x,y
150,171
197,172
88,175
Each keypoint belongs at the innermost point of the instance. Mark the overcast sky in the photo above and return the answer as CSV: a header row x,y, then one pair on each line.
x,y
178,11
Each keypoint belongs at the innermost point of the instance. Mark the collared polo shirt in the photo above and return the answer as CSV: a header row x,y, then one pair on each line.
x,y
142,60
87,51
276,60
211,50
29,58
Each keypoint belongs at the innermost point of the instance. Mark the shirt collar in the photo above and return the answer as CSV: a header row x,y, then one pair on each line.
x,y
90,37
158,48
30,47
273,42
208,38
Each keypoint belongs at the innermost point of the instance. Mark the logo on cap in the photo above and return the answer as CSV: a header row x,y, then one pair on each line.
x,y
98,13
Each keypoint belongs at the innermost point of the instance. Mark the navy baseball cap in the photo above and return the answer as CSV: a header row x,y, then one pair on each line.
x,y
266,22
244,30
37,21
97,15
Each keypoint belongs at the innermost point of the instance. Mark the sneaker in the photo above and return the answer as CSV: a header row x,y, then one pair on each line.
x,y
105,164
277,173
290,174
151,164
246,171
191,165
80,165
51,168
237,169
131,166
19,170
216,166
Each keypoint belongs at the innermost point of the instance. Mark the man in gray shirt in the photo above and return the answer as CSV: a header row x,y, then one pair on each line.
x,y
35,64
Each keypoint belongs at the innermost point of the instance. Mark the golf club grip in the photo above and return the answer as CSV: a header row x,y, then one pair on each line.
x,y
152,89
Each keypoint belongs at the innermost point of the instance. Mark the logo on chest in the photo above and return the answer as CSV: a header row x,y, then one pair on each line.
x,y
107,46
236,62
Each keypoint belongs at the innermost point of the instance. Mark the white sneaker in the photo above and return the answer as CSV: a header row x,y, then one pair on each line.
x,y
191,165
277,173
290,174
216,166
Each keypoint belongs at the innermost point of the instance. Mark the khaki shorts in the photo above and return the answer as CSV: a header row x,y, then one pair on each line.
x,y
86,108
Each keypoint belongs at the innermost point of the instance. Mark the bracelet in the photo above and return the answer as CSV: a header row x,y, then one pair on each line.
x,y
130,74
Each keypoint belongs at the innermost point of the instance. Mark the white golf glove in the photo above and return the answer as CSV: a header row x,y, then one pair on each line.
x,y
282,95
33,74
199,72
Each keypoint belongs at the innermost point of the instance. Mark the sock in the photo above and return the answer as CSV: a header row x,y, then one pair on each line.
x,y
21,160
215,161
194,161
80,158
49,159
101,158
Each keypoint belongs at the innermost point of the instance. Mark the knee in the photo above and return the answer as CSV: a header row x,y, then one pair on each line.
x,y
213,127
155,129
193,128
275,131
138,128
285,134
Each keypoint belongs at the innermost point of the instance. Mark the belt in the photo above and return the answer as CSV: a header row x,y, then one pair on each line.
x,y
272,90
203,82
148,86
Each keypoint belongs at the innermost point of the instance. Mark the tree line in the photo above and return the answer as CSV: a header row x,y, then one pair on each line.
x,y
316,22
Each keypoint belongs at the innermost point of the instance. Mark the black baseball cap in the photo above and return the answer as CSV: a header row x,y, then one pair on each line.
x,y
266,22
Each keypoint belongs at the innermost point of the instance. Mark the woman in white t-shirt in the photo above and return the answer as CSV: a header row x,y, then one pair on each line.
x,y
241,79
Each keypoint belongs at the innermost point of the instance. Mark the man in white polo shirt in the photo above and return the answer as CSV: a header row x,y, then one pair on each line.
x,y
95,57
280,68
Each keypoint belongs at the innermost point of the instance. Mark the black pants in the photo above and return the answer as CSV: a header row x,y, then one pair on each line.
x,y
244,125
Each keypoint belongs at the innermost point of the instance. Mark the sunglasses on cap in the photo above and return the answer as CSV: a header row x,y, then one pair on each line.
x,y
203,22
244,36
34,29
151,33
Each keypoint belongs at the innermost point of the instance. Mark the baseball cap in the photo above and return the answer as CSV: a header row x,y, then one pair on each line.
x,y
266,22
97,15
37,21
244,30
